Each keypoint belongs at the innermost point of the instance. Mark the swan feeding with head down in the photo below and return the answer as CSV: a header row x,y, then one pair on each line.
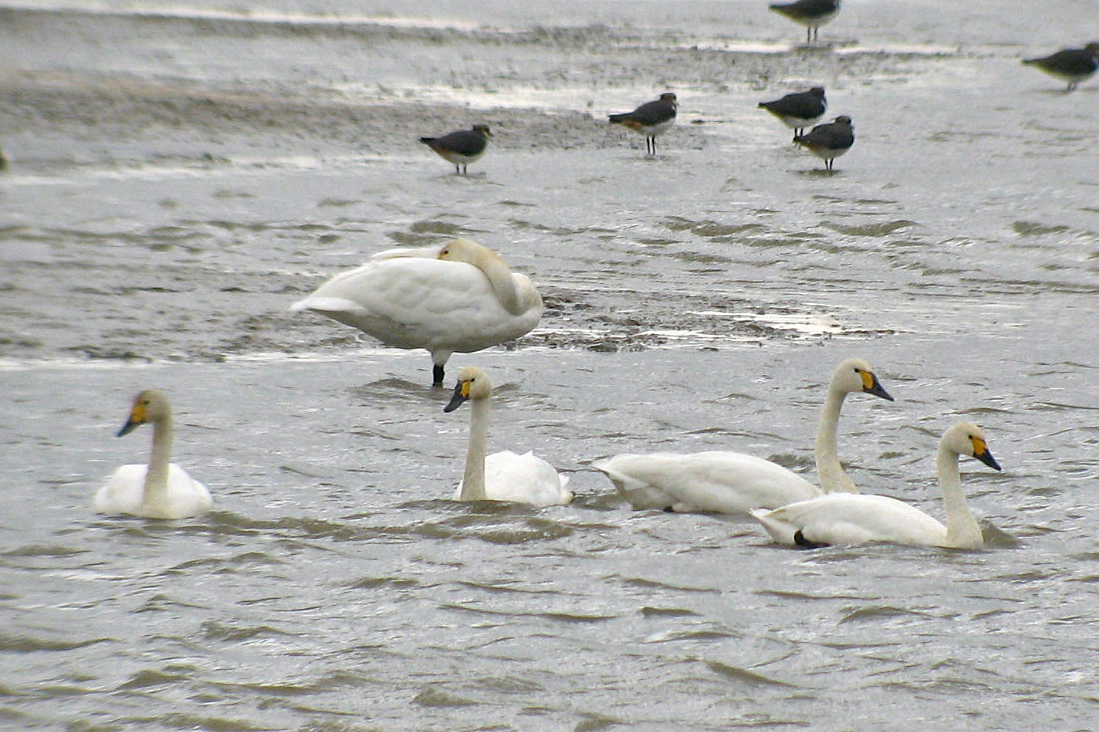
x,y
161,489
502,476
845,518
722,481
457,298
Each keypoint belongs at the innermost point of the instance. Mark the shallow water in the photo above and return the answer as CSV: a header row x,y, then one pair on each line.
x,y
182,172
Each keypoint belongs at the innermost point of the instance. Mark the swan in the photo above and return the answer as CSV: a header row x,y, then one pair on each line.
x,y
502,476
844,518
160,490
732,482
460,297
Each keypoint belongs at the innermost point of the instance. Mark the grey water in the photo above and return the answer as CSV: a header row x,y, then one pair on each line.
x,y
183,171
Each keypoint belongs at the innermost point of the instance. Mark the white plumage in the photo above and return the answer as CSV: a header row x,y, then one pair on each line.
x,y
715,481
733,482
845,518
502,476
161,489
458,298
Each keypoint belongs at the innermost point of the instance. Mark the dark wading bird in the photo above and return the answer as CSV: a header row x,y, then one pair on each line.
x,y
799,110
829,141
462,147
650,119
1071,65
810,13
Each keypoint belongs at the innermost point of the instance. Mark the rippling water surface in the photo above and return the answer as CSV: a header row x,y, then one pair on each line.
x,y
181,172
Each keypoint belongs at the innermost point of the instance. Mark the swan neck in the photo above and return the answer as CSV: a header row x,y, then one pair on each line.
x,y
503,283
962,530
473,482
833,478
156,477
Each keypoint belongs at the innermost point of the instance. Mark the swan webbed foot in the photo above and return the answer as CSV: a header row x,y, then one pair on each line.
x,y
801,541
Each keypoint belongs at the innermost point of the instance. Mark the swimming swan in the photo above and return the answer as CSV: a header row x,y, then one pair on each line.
x,y
502,476
732,482
160,489
843,518
460,297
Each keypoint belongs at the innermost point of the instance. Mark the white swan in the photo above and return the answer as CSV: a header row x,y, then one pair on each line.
x,y
844,518
460,297
502,476
160,489
732,482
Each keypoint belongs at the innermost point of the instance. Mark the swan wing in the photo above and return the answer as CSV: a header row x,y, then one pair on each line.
x,y
640,494
716,481
846,518
124,493
428,252
418,302
186,496
523,478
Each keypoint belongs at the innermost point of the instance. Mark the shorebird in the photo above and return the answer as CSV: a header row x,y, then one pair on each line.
x,y
650,119
462,147
799,110
1071,65
810,13
829,141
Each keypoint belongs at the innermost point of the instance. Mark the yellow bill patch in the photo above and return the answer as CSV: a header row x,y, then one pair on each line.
x,y
979,446
867,380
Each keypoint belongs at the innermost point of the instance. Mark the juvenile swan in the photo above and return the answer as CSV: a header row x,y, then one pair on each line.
x,y
160,489
843,518
460,297
502,476
732,482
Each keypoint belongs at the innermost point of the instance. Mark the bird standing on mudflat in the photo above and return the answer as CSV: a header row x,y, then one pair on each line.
x,y
650,119
1071,65
460,297
799,110
829,141
810,13
462,147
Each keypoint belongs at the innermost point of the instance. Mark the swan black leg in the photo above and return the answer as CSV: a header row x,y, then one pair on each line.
x,y
801,541
437,375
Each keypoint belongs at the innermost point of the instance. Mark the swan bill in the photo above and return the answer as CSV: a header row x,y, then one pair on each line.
x,y
460,396
138,415
981,452
871,385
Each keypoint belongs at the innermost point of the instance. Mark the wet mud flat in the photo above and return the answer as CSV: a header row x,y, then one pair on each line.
x,y
179,177
144,172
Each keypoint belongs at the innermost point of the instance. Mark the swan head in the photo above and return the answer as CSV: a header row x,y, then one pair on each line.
x,y
150,405
966,438
468,251
473,383
856,375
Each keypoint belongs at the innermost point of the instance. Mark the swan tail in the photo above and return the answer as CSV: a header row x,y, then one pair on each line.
x,y
326,305
780,531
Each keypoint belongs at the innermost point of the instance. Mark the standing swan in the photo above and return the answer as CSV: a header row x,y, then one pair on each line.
x,y
732,482
160,489
843,518
502,476
460,297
